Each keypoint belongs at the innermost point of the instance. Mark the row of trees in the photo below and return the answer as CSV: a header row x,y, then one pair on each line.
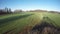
x,y
18,11
54,12
5,11
8,11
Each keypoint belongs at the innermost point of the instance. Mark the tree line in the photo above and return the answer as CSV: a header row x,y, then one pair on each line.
x,y
5,11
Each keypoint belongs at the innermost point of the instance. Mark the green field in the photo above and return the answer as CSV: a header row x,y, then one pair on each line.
x,y
16,22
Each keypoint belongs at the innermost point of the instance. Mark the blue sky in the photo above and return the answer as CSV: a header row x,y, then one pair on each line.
x,y
31,4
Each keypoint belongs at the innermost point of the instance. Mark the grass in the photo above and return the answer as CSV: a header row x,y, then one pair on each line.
x,y
16,22
54,17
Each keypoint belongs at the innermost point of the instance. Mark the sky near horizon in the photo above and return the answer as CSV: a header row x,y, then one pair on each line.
x,y
31,4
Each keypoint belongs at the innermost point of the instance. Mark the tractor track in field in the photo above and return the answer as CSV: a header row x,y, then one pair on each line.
x,y
43,28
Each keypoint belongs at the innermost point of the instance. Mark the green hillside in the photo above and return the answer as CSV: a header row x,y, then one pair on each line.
x,y
14,23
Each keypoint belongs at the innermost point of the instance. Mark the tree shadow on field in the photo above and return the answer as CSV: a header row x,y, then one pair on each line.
x,y
46,28
2,21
